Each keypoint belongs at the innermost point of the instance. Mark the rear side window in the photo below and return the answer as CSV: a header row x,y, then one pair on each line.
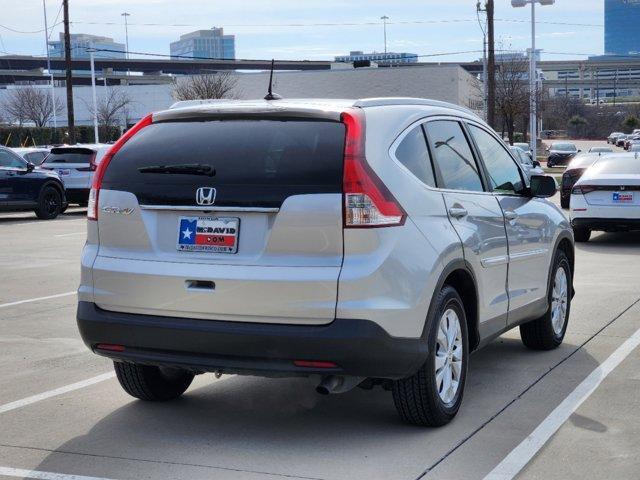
x,y
70,155
453,157
253,163
414,155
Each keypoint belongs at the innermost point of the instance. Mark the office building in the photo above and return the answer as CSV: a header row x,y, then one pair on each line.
x,y
80,42
212,44
621,32
377,57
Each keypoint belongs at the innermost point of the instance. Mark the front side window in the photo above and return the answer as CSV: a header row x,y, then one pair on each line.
x,y
414,155
9,160
504,174
453,157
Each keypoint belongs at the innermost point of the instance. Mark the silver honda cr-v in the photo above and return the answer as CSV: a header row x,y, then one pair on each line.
x,y
369,242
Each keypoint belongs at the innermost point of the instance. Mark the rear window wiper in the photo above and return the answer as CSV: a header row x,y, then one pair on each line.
x,y
185,169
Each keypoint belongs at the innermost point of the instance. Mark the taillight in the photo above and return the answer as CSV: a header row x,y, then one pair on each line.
x,y
367,201
92,205
92,165
583,189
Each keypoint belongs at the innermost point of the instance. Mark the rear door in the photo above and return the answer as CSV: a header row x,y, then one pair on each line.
x,y
73,165
476,217
229,219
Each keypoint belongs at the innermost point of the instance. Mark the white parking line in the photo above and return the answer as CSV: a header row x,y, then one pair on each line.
x,y
70,234
57,391
513,463
21,473
37,299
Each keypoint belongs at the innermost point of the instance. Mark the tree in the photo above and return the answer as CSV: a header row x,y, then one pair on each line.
x,y
578,123
112,108
31,104
631,122
512,91
206,86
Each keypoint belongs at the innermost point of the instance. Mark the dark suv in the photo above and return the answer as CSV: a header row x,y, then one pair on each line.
x,y
25,187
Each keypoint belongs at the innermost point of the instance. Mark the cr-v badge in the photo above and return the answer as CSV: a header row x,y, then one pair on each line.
x,y
205,196
118,210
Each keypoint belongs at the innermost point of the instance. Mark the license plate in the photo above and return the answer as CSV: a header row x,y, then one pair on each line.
x,y
208,234
63,171
622,197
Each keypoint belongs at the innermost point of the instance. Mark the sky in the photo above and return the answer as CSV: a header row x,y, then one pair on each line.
x,y
323,28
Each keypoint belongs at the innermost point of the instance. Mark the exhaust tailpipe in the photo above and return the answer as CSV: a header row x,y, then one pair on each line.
x,y
329,384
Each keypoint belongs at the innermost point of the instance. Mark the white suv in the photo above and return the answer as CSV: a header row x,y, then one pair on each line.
x,y
368,242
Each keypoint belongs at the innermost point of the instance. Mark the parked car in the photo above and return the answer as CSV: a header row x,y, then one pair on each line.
x,y
75,165
607,197
524,147
634,147
573,173
374,241
561,153
601,150
35,155
613,138
530,167
24,187
621,139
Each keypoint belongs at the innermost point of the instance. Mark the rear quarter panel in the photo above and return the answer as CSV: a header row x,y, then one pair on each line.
x,y
389,274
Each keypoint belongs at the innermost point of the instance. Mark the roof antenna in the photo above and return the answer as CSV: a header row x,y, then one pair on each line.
x,y
271,95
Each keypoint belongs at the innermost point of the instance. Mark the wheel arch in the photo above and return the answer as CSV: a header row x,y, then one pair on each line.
x,y
564,242
459,275
55,184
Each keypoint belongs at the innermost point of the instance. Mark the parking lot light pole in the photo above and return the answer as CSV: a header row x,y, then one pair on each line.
x,y
384,19
533,121
93,91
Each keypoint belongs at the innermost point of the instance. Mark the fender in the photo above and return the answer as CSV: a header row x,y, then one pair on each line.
x,y
458,264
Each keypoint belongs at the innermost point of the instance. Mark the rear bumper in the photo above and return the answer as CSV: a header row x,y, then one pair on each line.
x,y
607,224
358,347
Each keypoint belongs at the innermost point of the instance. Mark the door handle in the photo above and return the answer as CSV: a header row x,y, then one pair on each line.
x,y
510,216
458,212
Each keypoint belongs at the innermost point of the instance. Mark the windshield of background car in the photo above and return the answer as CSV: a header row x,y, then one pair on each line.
x,y
564,147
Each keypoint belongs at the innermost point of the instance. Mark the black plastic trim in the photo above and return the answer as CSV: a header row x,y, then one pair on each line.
x,y
358,347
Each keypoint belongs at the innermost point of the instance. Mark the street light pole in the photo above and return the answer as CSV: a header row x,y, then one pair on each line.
x,y
93,92
533,84
46,46
126,32
384,19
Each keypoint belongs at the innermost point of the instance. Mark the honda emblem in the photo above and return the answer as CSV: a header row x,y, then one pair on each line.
x,y
205,196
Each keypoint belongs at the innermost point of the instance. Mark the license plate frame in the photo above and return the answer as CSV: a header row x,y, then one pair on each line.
x,y
210,235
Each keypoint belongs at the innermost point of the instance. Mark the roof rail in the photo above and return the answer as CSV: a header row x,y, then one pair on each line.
x,y
382,101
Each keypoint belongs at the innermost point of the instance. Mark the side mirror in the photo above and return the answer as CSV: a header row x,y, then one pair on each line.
x,y
536,163
30,167
543,186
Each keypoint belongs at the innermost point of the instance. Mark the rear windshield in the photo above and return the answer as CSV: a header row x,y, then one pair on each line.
x,y
70,155
619,166
252,162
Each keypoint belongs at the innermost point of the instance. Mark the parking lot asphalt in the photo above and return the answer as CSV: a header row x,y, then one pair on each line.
x,y
62,412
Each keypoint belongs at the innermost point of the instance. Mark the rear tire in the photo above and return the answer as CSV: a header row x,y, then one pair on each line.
x,y
581,234
151,383
424,399
547,332
49,204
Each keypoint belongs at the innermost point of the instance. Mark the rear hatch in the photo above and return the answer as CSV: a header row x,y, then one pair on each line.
x,y
612,191
74,165
224,218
